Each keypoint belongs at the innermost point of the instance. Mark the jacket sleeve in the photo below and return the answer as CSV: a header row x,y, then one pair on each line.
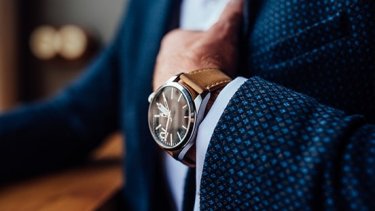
x,y
274,148
64,129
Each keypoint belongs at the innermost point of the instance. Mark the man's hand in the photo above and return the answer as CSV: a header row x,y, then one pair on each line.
x,y
184,51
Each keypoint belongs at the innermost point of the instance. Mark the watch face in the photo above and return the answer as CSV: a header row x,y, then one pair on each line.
x,y
171,117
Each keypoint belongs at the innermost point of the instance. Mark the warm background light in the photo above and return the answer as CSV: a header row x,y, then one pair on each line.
x,y
69,41
44,42
74,42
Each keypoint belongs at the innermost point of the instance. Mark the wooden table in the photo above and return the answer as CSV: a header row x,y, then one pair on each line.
x,y
90,187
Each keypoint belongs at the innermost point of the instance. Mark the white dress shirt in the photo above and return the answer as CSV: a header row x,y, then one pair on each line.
x,y
199,15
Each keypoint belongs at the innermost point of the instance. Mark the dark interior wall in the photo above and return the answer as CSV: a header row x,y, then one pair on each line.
x,y
41,79
100,15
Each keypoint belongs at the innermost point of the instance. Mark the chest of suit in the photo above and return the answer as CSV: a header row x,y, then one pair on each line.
x,y
324,49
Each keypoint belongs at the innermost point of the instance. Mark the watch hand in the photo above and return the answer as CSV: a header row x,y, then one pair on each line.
x,y
167,125
169,120
165,102
163,109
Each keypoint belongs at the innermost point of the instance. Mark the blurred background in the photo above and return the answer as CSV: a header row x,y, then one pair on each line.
x,y
45,44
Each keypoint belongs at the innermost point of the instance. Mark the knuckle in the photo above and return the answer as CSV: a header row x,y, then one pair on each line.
x,y
225,30
170,35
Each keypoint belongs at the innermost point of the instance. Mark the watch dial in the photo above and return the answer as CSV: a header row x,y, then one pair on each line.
x,y
169,117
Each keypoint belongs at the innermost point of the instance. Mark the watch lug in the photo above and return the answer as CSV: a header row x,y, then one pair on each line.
x,y
201,102
173,79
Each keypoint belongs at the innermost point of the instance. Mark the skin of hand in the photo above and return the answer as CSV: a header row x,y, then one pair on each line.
x,y
185,51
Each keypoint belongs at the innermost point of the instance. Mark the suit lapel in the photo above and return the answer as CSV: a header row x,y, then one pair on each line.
x,y
146,23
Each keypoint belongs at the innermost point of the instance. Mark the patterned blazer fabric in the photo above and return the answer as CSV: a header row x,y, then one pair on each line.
x,y
300,135
277,149
324,49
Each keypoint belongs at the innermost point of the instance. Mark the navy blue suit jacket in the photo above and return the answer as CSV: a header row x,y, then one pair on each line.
x,y
298,135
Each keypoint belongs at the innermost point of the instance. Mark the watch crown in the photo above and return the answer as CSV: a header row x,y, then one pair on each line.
x,y
151,97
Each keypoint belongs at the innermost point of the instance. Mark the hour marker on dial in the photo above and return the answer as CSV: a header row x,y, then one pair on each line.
x,y
179,136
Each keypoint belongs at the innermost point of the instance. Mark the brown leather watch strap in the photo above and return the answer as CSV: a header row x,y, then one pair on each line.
x,y
208,79
199,81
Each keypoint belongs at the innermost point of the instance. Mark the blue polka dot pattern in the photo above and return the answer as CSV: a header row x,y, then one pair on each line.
x,y
300,135
276,149
323,48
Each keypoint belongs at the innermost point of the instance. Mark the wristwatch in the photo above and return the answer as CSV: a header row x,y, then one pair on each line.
x,y
177,108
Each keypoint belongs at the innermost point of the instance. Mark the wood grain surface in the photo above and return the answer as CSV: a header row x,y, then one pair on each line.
x,y
83,188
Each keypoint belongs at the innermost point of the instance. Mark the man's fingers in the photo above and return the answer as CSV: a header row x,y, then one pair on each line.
x,y
232,10
230,19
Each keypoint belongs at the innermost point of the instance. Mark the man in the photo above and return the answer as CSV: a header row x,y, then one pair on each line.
x,y
273,147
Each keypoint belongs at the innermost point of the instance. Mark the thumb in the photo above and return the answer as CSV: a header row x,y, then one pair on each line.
x,y
230,19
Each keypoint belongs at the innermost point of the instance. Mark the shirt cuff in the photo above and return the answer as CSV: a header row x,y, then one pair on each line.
x,y
207,127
